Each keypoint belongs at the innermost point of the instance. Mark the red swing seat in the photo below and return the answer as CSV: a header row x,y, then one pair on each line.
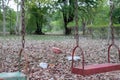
x,y
95,68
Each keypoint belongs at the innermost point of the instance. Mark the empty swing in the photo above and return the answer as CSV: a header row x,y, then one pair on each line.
x,y
95,68
17,75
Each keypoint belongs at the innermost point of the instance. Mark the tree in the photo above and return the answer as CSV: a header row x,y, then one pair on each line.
x,y
116,16
86,16
67,9
17,26
4,6
39,10
10,20
38,14
85,11
116,12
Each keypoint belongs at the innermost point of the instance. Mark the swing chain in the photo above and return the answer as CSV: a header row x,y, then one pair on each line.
x,y
23,24
112,31
76,21
111,22
22,31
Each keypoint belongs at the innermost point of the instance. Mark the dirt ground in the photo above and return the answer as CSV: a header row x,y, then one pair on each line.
x,y
38,51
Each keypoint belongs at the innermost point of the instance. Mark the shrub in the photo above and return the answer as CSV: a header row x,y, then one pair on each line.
x,y
101,31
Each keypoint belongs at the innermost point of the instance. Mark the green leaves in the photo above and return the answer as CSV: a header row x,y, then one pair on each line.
x,y
116,15
116,12
39,10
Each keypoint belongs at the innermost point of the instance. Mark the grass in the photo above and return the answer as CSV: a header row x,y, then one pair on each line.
x,y
48,37
37,37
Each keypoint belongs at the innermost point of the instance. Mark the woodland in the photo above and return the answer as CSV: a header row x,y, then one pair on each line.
x,y
32,34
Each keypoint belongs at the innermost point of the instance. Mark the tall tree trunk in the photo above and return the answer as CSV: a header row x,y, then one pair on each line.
x,y
67,30
4,20
20,22
84,26
66,21
67,16
17,31
39,28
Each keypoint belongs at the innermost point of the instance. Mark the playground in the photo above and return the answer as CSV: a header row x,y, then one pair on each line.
x,y
27,53
59,67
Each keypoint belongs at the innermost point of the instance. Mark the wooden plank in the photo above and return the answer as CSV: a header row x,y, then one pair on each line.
x,y
96,68
12,76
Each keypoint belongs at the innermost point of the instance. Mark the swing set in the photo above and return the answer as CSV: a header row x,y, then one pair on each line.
x,y
95,68
18,75
81,70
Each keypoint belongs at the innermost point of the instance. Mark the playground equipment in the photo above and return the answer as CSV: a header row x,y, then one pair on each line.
x,y
95,68
17,75
23,39
12,76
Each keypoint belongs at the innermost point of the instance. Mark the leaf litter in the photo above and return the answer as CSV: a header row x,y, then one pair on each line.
x,y
58,66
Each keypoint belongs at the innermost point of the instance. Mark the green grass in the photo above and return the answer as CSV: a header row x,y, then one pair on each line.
x,y
9,37
37,37
47,37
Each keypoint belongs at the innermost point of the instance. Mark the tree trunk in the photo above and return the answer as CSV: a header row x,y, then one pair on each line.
x,y
17,31
83,26
4,20
20,22
39,28
66,21
67,30
67,16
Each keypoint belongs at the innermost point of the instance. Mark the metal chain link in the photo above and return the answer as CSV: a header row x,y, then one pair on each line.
x,y
22,32
76,21
23,24
111,22
112,32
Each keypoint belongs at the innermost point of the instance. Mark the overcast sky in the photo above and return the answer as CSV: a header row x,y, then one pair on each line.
x,y
13,5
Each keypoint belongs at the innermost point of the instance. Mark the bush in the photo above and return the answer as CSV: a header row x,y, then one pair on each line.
x,y
98,31
12,31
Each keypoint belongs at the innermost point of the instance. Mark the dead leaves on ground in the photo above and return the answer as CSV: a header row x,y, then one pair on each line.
x,y
59,67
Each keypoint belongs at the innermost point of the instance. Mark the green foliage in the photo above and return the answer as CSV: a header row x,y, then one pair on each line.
x,y
10,15
1,21
31,24
101,31
117,29
101,15
116,15
57,24
38,15
71,24
34,16
97,26
98,31
10,20
49,13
